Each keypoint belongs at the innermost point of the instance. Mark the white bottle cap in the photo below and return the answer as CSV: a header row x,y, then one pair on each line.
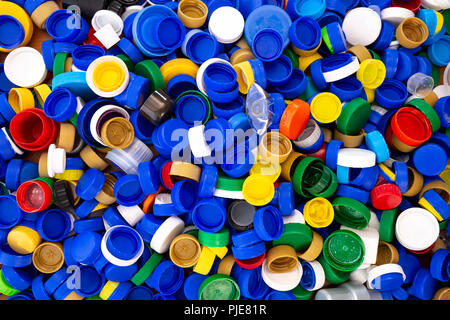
x,y
197,142
98,114
132,215
56,160
396,15
238,195
201,71
377,271
319,275
370,238
282,281
166,232
226,24
25,67
361,26
114,260
107,36
296,217
344,72
416,229
356,158
103,17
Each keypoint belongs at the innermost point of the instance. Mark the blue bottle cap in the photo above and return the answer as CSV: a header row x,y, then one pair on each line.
x,y
143,128
337,6
5,84
424,285
365,178
295,86
9,257
336,61
238,161
388,281
440,265
130,50
5,108
304,33
199,46
91,282
286,199
442,108
268,223
280,295
228,109
409,263
67,249
267,44
376,143
148,177
317,75
76,83
353,192
165,138
278,71
337,37
11,213
385,37
391,94
220,77
329,17
240,121
148,226
219,127
53,225
249,251
180,84
382,4
308,280
169,40
313,9
224,97
347,89
12,174
333,148
92,224
390,59
66,26
140,292
18,278
60,104
123,242
127,191
250,282
85,247
184,195
64,47
421,159
74,164
38,289
3,236
136,93
259,73
90,184
119,274
100,264
438,51
167,278
276,108
342,174
208,180
128,26
279,21
245,238
441,139
113,218
85,208
83,56
401,175
404,66
13,32
192,284
56,280
202,218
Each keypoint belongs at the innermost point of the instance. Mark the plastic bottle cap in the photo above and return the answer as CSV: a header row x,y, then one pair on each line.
x,y
371,73
318,212
185,170
294,119
341,259
282,281
325,107
20,99
350,67
122,246
107,76
226,24
219,287
362,26
192,13
387,253
23,240
281,259
48,257
165,234
42,12
93,159
206,222
104,17
412,32
356,158
15,11
396,15
184,250
117,133
56,160
413,222
258,190
25,67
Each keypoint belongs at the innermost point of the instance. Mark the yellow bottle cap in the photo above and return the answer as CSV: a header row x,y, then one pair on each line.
x,y
23,240
42,91
48,257
241,55
318,212
326,107
117,133
439,21
370,93
108,290
245,76
14,10
387,171
226,265
371,73
108,76
427,206
20,99
272,170
69,175
178,66
305,61
205,261
219,251
258,190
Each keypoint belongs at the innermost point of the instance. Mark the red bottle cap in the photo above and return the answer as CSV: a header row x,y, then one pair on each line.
x,y
388,137
386,196
320,154
252,263
423,251
413,5
411,126
34,196
32,130
165,175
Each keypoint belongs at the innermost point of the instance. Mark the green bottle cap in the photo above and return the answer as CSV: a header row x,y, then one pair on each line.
x,y
127,60
351,213
150,70
288,52
344,250
297,235
147,269
214,240
428,111
387,225
332,275
301,293
219,287
354,116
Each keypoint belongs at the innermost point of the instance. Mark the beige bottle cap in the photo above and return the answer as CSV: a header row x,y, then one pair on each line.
x,y
242,43
349,141
185,250
387,253
314,250
73,296
439,244
275,147
106,195
288,166
282,259
184,170
431,98
442,294
192,13
68,64
117,133
411,32
415,182
327,135
440,187
48,257
41,13
93,159
241,55
226,265
66,136
360,52
42,166
400,145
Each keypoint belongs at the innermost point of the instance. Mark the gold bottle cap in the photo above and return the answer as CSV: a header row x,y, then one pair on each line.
x,y
415,182
66,136
360,52
93,159
387,253
226,265
274,147
117,133
41,13
241,55
42,166
192,13
349,141
411,32
48,257
184,170
185,250
314,250
288,166
282,259
106,195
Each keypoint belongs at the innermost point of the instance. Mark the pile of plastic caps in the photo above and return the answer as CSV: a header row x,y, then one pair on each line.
x,y
225,150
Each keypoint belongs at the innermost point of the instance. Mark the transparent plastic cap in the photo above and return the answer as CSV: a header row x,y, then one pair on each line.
x,y
130,157
420,85
258,108
348,291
